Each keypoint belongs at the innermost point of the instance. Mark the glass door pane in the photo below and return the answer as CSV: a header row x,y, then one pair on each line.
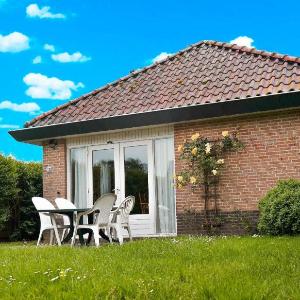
x,y
103,172
165,196
78,166
136,177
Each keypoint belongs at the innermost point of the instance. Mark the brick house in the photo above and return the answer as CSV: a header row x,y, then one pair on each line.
x,y
123,137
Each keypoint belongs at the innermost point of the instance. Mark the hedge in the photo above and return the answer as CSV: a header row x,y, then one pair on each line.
x,y
19,182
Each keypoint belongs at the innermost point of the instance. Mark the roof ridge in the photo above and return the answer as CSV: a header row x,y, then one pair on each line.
x,y
235,47
252,50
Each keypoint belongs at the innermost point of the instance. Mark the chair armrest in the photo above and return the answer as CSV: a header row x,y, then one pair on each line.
x,y
87,212
84,213
115,213
51,213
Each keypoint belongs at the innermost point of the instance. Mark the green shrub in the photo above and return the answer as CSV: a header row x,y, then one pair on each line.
x,y
29,184
8,190
280,209
19,182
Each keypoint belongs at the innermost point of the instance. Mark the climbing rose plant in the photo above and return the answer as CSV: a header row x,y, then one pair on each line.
x,y
206,159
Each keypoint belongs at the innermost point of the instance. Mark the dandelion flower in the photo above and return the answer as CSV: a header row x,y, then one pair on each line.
x,y
62,274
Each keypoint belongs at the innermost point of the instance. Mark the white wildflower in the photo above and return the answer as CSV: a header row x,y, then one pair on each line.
x,y
55,278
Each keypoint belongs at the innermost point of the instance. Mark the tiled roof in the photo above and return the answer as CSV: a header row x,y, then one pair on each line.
x,y
206,72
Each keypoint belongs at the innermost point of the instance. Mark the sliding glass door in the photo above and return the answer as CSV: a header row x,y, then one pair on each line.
x,y
125,169
136,170
143,169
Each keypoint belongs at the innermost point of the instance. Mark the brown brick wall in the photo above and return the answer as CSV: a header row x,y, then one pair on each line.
x,y
54,171
272,152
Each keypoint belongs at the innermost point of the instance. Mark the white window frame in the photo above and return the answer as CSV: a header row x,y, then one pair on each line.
x,y
151,188
151,165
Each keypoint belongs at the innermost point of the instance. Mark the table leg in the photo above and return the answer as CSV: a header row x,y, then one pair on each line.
x,y
81,239
90,232
103,235
71,229
55,229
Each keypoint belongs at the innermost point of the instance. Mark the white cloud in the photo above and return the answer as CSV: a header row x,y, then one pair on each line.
x,y
37,60
28,107
33,11
49,47
14,42
160,57
243,41
43,87
65,57
9,126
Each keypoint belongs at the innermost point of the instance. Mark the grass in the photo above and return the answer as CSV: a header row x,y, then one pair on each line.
x,y
174,268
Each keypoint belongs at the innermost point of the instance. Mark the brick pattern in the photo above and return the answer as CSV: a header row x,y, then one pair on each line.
x,y
228,223
207,72
54,171
272,152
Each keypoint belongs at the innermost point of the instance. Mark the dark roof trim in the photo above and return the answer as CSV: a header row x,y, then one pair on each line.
x,y
180,114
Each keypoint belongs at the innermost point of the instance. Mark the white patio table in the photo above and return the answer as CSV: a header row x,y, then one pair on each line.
x,y
70,212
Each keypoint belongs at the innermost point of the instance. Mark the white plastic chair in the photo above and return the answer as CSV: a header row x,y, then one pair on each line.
x,y
62,203
47,220
103,206
120,218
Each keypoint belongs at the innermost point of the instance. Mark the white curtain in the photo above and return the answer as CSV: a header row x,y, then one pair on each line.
x,y
165,196
105,178
79,177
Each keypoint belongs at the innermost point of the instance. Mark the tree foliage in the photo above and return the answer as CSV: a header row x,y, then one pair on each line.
x,y
19,182
8,188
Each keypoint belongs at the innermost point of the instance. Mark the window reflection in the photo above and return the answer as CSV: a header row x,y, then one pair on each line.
x,y
136,177
79,177
103,172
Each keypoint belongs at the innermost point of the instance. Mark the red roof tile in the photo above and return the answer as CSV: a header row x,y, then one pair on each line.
x,y
206,72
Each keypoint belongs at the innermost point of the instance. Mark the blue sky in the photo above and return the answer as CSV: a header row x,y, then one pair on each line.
x,y
53,51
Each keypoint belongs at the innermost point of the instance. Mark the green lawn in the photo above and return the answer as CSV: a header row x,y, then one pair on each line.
x,y
175,268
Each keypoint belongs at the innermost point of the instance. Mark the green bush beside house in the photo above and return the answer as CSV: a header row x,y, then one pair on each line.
x,y
19,182
280,209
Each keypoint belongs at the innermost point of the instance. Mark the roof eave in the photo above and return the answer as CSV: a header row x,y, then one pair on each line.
x,y
173,115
